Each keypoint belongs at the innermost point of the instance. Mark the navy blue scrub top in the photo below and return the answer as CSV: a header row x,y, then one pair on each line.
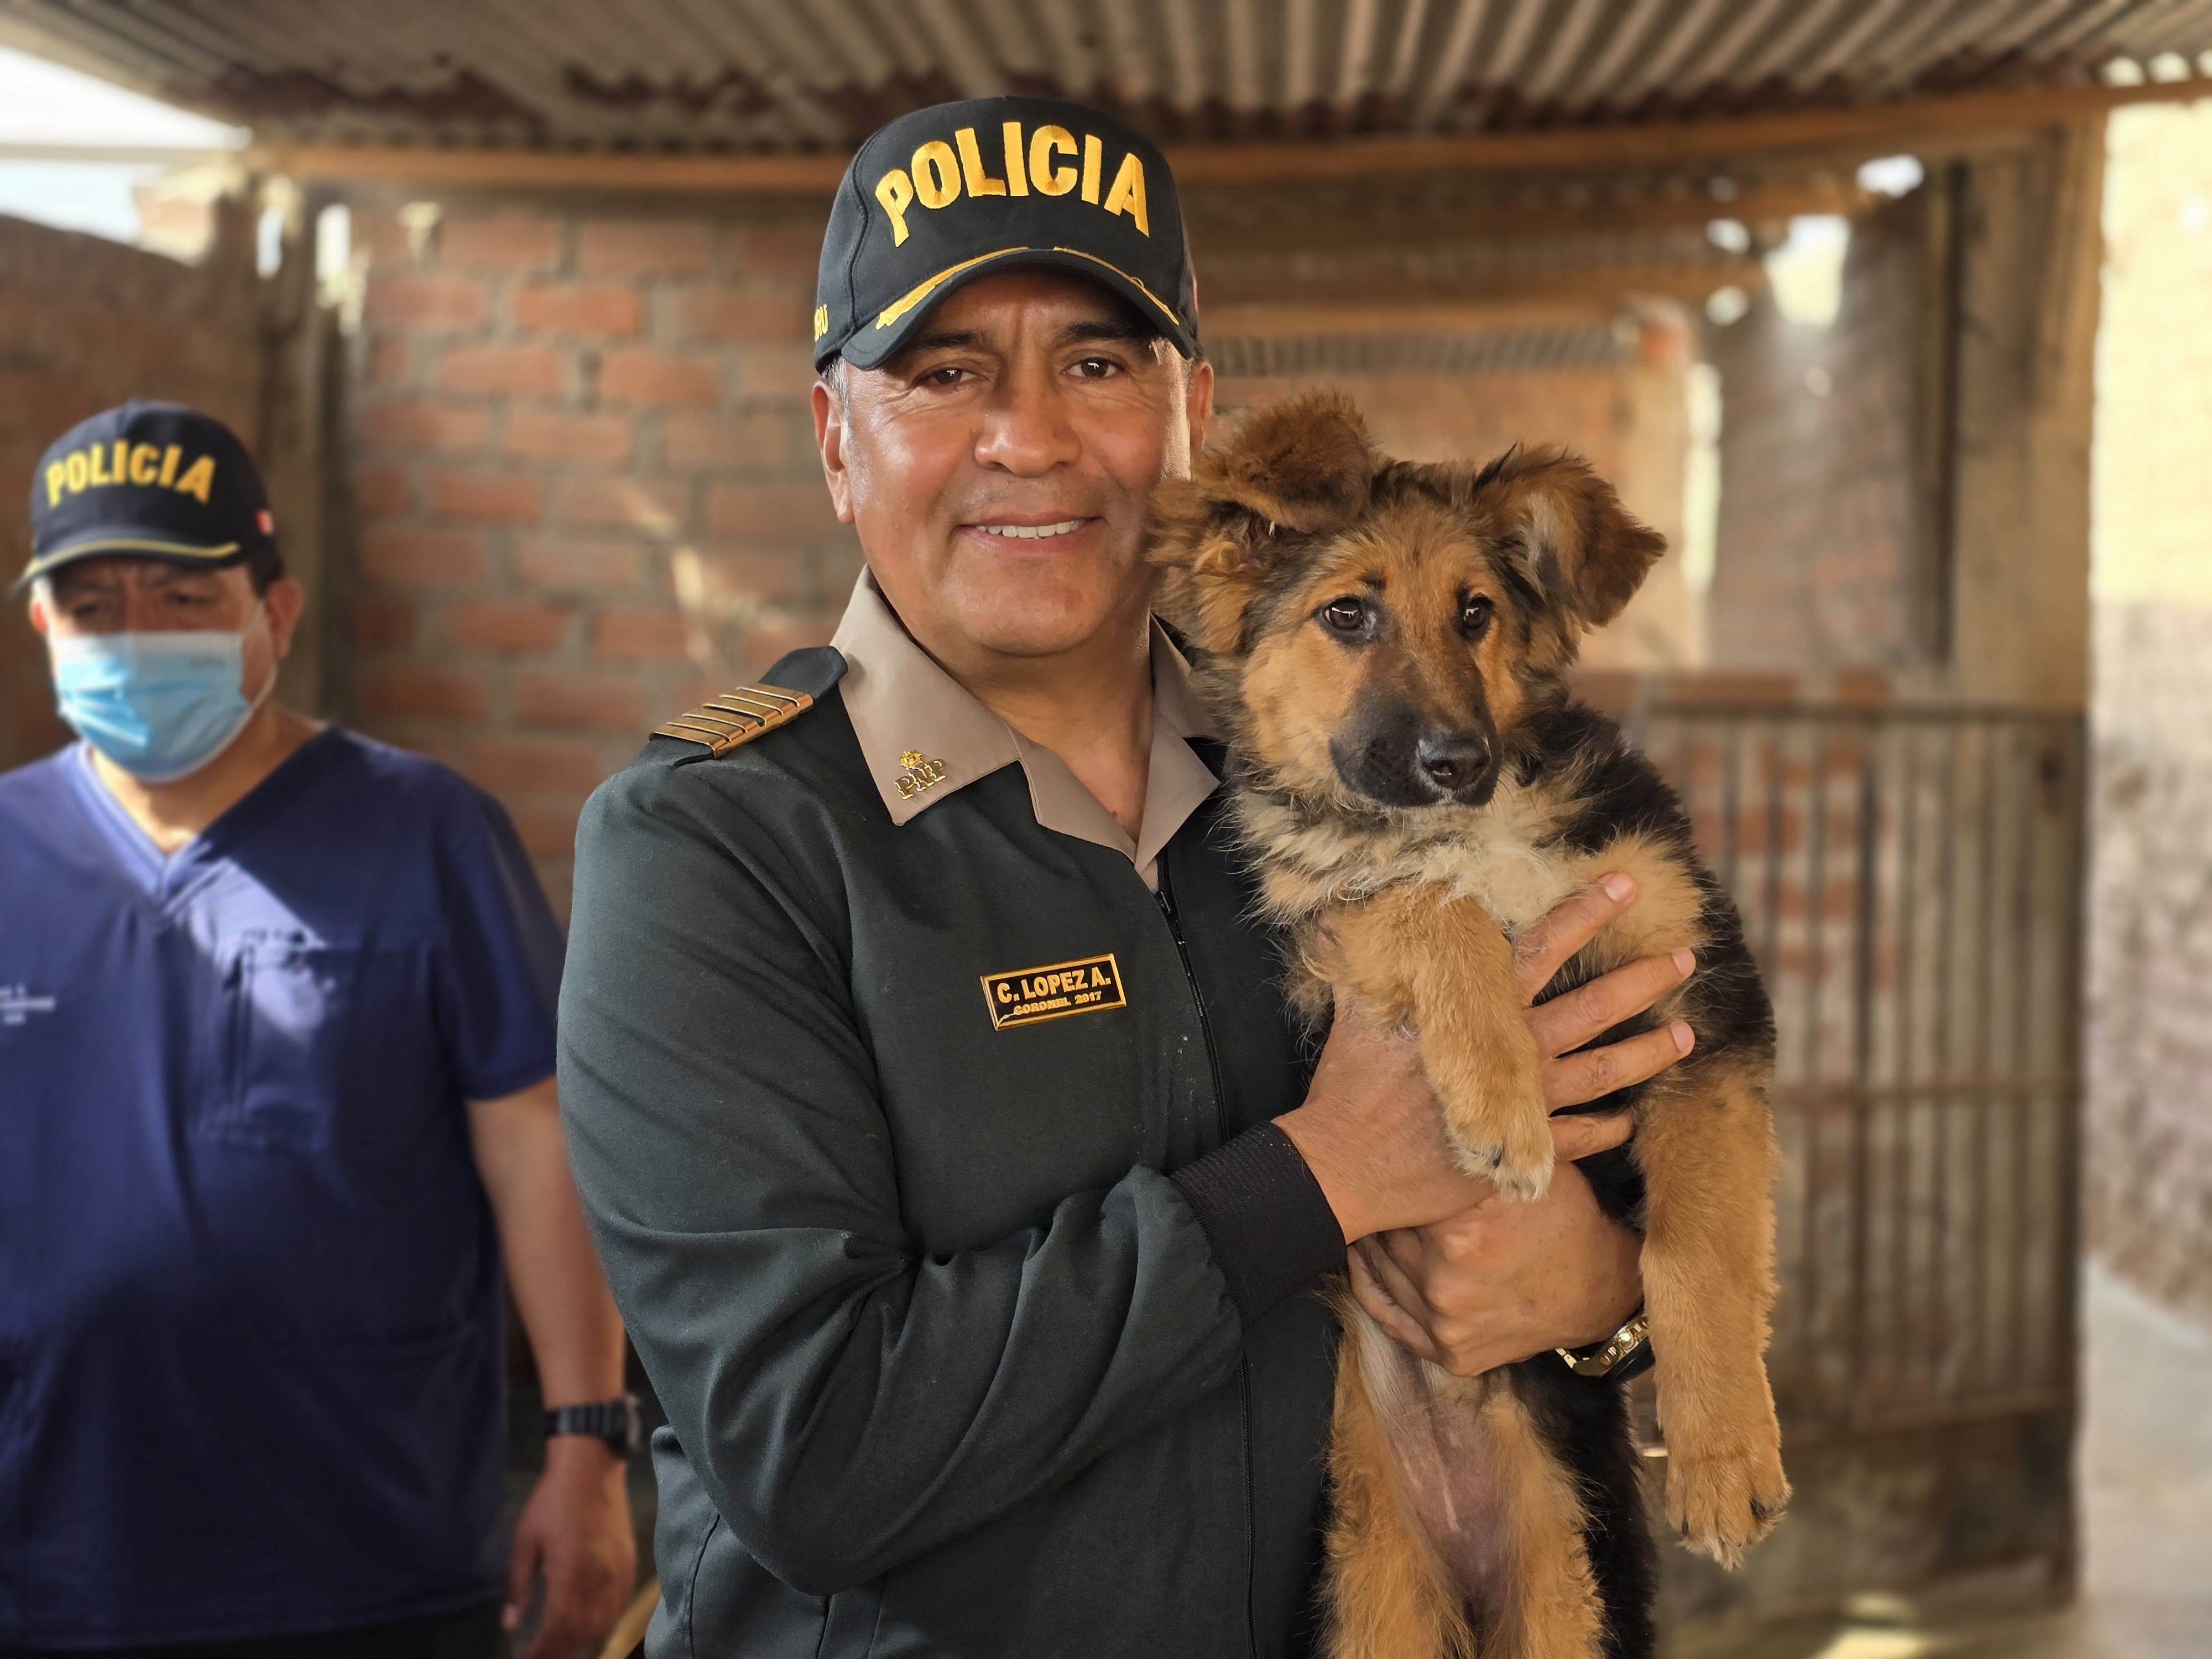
x,y
251,1326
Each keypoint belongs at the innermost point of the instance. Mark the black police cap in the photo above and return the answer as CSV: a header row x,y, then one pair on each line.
x,y
958,192
154,481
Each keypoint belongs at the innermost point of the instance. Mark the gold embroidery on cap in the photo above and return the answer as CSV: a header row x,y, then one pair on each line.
x,y
920,291
1166,310
1029,996
922,773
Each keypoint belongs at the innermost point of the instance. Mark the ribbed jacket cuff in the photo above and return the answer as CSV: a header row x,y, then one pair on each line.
x,y
1270,1226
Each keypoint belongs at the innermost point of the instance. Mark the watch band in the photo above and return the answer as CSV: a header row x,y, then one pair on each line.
x,y
1624,1354
618,1421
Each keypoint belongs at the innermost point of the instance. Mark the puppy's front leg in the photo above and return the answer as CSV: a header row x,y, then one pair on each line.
x,y
1417,955
1706,1147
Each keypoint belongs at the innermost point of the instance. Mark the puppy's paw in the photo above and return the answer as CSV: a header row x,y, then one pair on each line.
x,y
1721,1504
1514,1151
1494,1115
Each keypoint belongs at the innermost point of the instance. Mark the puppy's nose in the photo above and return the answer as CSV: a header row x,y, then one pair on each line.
x,y
1452,760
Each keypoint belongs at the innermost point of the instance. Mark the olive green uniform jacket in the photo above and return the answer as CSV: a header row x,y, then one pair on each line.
x,y
968,1345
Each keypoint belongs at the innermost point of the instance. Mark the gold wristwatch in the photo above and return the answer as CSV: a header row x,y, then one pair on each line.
x,y
1625,1353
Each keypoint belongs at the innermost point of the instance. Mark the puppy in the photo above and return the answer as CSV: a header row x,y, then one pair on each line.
x,y
1385,644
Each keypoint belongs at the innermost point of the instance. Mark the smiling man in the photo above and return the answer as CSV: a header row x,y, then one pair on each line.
x,y
954,1159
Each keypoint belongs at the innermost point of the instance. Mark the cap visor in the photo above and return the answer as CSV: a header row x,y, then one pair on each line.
x,y
127,541
878,339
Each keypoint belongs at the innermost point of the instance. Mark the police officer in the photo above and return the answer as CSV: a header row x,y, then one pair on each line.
x,y
275,1093
930,1087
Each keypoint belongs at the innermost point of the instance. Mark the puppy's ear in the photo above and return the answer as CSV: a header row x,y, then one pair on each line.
x,y
1303,466
1585,551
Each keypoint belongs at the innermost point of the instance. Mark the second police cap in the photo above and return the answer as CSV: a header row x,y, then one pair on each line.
x,y
958,192
153,481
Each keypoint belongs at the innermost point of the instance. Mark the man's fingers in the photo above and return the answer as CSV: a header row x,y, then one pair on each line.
x,y
522,1578
1397,1257
1379,1305
1567,1022
566,1628
1573,922
1578,1079
1588,1133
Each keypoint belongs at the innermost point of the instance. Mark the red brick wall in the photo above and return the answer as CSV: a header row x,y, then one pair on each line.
x,y
585,491
86,323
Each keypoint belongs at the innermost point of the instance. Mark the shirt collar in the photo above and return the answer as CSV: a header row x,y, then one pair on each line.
x,y
925,736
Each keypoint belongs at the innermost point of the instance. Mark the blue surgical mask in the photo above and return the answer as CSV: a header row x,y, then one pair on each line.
x,y
160,705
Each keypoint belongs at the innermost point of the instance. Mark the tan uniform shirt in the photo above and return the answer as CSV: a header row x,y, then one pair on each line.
x,y
924,736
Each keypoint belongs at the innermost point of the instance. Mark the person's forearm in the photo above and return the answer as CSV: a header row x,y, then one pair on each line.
x,y
568,1314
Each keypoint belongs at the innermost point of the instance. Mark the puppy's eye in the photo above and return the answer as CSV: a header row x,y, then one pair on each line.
x,y
1474,614
1345,616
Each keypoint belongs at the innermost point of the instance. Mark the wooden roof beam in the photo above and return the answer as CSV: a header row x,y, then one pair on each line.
x,y
1927,126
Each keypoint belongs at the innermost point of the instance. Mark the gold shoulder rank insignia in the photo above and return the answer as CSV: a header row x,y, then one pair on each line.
x,y
737,717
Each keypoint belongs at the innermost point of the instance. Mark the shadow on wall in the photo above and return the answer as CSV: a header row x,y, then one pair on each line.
x,y
2150,955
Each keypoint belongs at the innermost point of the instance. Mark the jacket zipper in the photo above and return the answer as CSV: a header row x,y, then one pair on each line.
x,y
1166,896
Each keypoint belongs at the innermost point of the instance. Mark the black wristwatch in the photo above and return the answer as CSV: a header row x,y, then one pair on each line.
x,y
618,1422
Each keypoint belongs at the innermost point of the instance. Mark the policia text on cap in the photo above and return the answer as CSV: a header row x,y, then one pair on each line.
x,y
929,1089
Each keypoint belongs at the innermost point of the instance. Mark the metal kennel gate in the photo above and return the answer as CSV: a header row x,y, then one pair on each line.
x,y
1910,880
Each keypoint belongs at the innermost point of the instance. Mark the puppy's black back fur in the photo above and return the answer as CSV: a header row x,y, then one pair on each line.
x,y
1586,1419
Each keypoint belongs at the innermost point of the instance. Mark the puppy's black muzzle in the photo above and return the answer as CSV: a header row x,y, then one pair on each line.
x,y
1395,757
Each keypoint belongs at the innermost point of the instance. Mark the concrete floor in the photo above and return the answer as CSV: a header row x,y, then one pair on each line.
x,y
2146,1486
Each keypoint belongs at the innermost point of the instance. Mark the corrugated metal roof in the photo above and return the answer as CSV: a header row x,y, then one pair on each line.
x,y
781,74
1504,351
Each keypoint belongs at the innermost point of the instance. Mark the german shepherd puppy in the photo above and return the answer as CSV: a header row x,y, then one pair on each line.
x,y
1386,644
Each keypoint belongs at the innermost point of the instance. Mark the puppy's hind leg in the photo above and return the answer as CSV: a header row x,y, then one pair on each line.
x,y
1441,964
1384,1592
1548,1607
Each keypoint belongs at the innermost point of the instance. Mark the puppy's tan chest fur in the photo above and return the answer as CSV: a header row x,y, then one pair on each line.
x,y
1509,857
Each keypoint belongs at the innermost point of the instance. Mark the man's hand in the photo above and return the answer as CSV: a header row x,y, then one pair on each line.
x,y
1370,1129
1565,1023
1503,1280
576,1531
1456,1274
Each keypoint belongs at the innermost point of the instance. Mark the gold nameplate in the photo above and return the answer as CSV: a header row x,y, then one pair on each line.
x,y
1031,996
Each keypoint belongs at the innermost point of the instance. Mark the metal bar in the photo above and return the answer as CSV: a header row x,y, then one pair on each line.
x,y
2031,1402
2066,1242
2022,961
1940,1154
1967,1090
1731,796
1770,959
1869,872
1908,949
1816,847
1985,921
1690,707
1816,894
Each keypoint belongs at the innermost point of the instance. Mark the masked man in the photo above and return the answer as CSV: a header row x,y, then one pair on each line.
x,y
276,1101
